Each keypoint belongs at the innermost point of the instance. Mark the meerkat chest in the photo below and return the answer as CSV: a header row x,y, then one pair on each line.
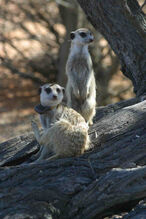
x,y
80,67
47,119
51,117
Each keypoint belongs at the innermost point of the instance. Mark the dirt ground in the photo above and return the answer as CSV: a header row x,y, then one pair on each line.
x,y
18,98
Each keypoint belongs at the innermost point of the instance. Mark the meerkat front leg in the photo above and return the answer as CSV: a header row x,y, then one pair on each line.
x,y
44,153
35,130
85,90
41,139
74,86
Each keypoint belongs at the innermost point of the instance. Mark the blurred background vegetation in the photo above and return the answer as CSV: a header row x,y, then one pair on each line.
x,y
34,46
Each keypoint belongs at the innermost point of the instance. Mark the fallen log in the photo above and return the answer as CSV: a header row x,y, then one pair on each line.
x,y
138,212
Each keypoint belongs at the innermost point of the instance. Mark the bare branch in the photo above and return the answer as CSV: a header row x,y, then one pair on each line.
x,y
7,63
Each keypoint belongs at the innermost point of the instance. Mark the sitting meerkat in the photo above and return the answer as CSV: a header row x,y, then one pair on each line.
x,y
81,86
67,135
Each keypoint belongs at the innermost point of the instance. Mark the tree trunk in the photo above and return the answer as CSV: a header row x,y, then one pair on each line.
x,y
108,177
70,20
123,24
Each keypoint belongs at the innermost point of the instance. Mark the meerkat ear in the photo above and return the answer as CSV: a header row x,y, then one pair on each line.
x,y
40,90
72,35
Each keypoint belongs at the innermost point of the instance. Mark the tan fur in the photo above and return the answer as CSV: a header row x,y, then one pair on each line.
x,y
67,136
81,86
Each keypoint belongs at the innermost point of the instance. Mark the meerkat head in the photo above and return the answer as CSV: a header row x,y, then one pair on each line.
x,y
51,94
81,36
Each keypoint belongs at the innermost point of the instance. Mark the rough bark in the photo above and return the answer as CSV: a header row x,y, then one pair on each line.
x,y
123,24
105,180
139,212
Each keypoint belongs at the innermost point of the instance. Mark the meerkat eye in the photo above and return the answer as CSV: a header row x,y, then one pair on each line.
x,y
58,90
83,35
48,90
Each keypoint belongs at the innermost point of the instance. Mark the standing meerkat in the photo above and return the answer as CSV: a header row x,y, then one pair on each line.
x,y
67,135
81,86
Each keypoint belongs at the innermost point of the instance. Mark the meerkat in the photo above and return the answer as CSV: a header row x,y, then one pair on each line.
x,y
81,86
67,135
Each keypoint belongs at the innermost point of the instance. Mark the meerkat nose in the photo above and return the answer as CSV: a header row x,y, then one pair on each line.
x,y
54,97
92,39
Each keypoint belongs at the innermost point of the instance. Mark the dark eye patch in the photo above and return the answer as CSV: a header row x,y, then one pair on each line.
x,y
63,90
48,90
58,90
83,35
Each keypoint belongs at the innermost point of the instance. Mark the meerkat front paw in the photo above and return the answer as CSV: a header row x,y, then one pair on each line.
x,y
35,129
84,93
90,123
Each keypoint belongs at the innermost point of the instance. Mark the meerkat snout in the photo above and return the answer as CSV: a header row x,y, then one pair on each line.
x,y
55,97
91,39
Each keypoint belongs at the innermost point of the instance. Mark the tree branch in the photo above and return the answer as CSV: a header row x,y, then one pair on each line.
x,y
7,63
